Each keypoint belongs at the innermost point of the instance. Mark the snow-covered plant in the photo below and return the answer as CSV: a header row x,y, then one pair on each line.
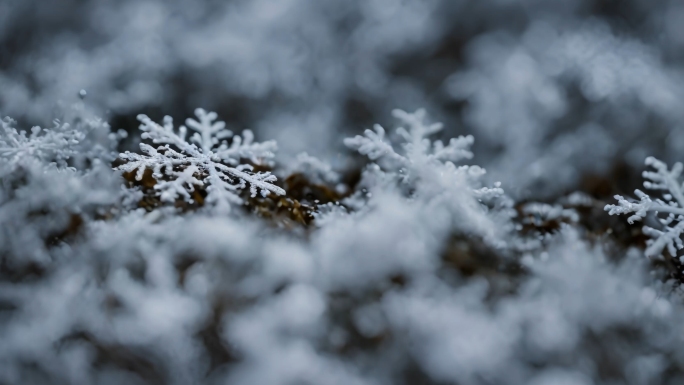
x,y
672,205
204,159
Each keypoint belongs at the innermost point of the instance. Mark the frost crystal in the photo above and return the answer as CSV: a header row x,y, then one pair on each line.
x,y
49,145
422,159
673,205
417,147
206,158
425,173
315,169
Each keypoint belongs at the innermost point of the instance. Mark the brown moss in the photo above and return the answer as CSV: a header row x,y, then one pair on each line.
x,y
298,187
471,257
296,208
72,228
533,224
123,357
218,352
150,200
283,211
22,273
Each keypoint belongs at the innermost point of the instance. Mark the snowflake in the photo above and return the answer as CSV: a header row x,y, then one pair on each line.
x,y
419,156
56,144
205,159
423,171
417,147
672,205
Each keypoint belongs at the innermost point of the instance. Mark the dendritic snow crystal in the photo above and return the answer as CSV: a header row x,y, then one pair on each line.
x,y
426,173
206,158
672,204
54,144
417,148
419,156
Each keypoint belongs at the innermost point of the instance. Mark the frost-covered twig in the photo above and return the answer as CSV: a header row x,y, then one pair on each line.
x,y
673,205
203,159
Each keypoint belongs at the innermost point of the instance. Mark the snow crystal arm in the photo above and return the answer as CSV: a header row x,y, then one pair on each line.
x,y
245,148
373,145
260,181
208,132
670,238
182,185
661,179
153,160
640,209
458,149
54,144
220,193
165,134
418,128
418,146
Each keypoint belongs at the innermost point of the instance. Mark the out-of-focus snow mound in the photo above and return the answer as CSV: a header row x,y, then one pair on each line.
x,y
423,273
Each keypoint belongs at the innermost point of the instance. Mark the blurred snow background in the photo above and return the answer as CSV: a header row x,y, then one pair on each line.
x,y
563,89
560,96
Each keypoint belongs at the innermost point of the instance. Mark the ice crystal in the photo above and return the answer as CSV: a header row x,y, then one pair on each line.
x,y
421,164
537,213
204,159
672,204
54,144
425,173
417,148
